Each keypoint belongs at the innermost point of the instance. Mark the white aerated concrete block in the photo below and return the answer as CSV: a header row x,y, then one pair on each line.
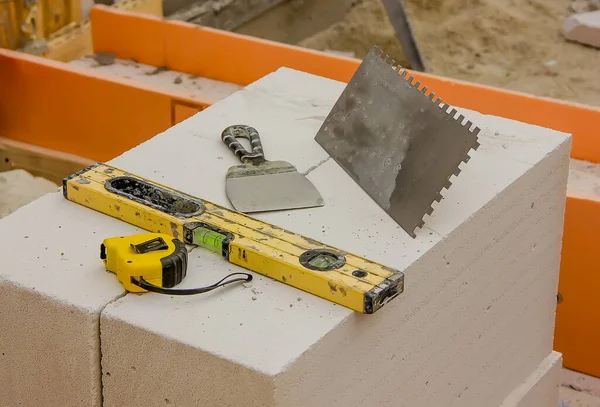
x,y
52,289
476,318
583,28
540,389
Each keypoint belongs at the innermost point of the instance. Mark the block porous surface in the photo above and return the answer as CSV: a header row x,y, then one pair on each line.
x,y
476,318
541,387
52,289
49,351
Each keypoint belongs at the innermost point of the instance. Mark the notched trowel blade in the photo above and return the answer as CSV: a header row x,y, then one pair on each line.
x,y
395,140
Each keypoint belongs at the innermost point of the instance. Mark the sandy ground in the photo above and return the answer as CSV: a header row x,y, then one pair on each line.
x,y
513,44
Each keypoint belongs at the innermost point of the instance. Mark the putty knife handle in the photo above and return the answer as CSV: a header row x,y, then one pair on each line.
x,y
231,133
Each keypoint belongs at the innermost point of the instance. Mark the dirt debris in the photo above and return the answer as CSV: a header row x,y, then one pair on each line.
x,y
104,58
157,70
366,23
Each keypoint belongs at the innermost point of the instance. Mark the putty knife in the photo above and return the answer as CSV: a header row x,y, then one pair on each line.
x,y
260,185
395,140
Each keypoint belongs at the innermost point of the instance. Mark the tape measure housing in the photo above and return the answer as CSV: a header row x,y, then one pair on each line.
x,y
158,258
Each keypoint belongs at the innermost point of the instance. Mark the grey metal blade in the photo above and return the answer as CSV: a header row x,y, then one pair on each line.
x,y
271,192
395,140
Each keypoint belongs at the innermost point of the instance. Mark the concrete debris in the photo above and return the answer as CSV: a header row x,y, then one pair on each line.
x,y
18,188
580,382
36,47
157,70
583,28
104,58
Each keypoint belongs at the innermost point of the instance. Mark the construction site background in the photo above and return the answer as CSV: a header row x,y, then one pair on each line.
x,y
510,44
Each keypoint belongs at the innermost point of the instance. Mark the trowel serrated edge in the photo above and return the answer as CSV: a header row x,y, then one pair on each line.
x,y
402,72
446,108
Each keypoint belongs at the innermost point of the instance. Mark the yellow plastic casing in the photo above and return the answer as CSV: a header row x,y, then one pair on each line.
x,y
121,259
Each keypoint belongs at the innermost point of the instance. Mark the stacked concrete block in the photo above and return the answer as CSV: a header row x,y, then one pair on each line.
x,y
473,327
52,290
541,387
476,319
583,28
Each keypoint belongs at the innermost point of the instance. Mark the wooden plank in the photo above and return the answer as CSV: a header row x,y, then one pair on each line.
x,y
75,40
38,161
71,42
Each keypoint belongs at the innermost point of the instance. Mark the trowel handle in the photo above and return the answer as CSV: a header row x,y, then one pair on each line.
x,y
230,135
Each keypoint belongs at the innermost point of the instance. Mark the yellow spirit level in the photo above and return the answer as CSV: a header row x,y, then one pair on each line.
x,y
344,278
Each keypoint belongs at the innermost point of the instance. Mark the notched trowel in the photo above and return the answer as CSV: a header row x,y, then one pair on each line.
x,y
259,185
395,140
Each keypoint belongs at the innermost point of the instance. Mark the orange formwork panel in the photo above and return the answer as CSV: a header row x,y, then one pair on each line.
x,y
578,314
129,35
83,112
208,52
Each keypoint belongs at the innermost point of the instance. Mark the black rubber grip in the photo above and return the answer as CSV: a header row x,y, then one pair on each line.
x,y
230,135
174,266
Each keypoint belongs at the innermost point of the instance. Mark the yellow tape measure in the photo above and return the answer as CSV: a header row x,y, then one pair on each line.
x,y
154,262
344,278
